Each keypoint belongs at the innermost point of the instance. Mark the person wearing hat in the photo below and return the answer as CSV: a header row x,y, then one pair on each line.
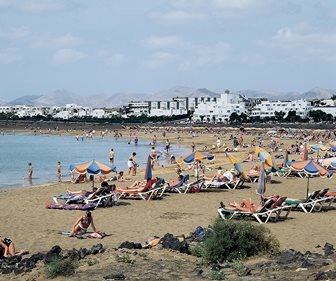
x,y
222,177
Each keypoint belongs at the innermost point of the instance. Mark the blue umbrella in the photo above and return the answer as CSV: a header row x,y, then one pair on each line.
x,y
148,171
93,167
195,156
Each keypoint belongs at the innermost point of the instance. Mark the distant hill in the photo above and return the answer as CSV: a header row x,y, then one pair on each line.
x,y
62,97
25,100
315,93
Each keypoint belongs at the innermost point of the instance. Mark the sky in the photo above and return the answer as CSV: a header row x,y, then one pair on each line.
x,y
107,46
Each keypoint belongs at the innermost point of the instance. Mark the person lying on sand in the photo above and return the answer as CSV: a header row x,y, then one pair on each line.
x,y
121,178
82,224
244,206
7,248
219,177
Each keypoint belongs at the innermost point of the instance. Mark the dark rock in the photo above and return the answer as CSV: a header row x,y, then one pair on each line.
x,y
307,263
215,267
171,242
96,248
130,245
56,250
321,276
118,276
244,271
287,257
74,255
18,271
52,254
13,260
328,249
83,252
6,269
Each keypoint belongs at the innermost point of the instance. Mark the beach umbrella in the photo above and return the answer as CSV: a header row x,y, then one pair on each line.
x,y
262,183
238,165
311,168
320,147
332,146
197,155
93,167
265,157
148,170
285,158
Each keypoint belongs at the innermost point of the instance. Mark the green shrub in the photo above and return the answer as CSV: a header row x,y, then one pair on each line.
x,y
232,240
237,265
61,267
124,258
216,275
92,262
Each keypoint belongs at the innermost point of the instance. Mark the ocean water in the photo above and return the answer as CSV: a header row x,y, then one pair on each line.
x,y
44,151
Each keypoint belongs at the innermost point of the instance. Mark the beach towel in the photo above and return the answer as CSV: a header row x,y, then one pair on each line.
x,y
98,234
83,207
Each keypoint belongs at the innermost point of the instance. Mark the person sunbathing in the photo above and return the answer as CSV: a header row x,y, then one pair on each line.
x,y
219,177
82,224
121,178
7,248
80,178
254,172
176,182
244,206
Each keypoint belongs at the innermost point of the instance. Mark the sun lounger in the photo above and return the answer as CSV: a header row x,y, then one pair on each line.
x,y
308,204
82,207
271,211
236,182
152,190
180,187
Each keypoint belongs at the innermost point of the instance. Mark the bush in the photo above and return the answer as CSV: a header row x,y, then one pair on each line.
x,y
216,275
61,267
231,240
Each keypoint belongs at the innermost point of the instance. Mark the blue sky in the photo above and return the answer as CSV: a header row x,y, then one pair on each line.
x,y
107,46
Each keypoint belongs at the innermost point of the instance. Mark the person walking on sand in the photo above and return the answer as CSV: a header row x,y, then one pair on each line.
x,y
59,168
132,164
218,143
111,156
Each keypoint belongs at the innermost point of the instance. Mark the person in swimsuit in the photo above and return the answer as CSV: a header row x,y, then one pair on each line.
x,y
7,248
82,224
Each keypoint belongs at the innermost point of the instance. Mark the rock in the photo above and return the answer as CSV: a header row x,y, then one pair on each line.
x,y
287,257
171,242
118,276
321,276
244,271
74,254
96,248
7,269
18,271
56,250
52,254
14,260
215,267
130,245
300,269
83,252
328,249
307,263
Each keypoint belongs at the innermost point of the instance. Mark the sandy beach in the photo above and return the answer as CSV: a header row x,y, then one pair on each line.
x,y
35,228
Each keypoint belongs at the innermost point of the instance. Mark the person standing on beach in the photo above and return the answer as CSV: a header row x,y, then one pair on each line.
x,y
167,145
218,143
132,164
111,156
59,168
30,171
153,155
193,147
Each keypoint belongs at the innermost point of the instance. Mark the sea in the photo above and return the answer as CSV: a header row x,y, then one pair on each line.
x,y
44,151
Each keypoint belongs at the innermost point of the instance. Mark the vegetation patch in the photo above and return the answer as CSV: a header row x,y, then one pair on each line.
x,y
232,240
61,267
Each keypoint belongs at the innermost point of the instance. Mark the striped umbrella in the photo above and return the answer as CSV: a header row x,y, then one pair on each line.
x,y
262,183
266,158
310,168
93,167
197,155
285,158
238,165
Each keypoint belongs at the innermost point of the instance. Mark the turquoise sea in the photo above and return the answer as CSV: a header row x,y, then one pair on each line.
x,y
43,151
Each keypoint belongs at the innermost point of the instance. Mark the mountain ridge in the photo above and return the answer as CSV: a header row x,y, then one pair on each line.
x,y
61,97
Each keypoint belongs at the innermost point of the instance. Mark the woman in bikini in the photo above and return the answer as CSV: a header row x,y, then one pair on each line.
x,y
82,224
7,248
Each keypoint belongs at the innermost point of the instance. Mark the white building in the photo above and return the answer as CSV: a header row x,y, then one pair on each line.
x,y
167,108
268,108
219,109
137,108
329,110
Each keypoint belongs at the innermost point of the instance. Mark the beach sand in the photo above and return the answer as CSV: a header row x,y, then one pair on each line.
x,y
33,227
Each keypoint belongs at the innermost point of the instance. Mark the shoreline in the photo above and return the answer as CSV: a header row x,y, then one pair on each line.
x,y
33,227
